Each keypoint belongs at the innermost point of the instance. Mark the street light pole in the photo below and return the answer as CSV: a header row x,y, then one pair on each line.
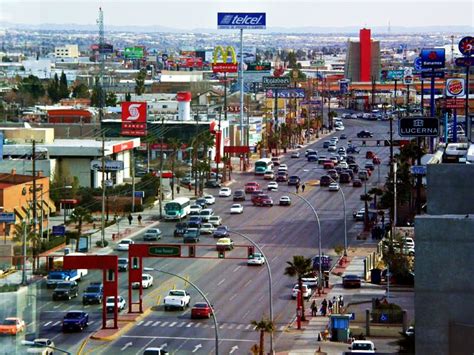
x,y
216,325
270,289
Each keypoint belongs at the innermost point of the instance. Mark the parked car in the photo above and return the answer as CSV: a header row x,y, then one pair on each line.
x,y
152,234
225,192
285,201
305,289
12,326
215,220
351,281
362,346
201,310
221,232
236,209
239,195
110,303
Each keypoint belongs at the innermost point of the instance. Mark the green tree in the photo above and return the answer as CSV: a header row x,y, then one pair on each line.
x,y
128,97
79,216
375,191
263,326
80,91
291,60
32,86
111,99
366,198
174,144
96,93
140,82
32,239
53,89
63,90
299,267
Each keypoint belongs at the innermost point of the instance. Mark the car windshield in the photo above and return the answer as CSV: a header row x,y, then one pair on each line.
x,y
93,289
63,285
9,322
206,212
362,346
74,315
222,228
176,293
111,299
151,231
200,305
55,277
122,261
125,242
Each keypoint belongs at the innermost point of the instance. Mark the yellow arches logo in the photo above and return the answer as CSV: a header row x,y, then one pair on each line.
x,y
223,66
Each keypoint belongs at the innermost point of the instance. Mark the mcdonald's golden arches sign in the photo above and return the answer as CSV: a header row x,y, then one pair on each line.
x,y
224,65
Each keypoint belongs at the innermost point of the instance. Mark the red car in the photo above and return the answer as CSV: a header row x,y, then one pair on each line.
x,y
376,160
201,310
328,165
369,155
251,187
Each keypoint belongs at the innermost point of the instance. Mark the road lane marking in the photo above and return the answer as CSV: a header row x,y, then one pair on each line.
x,y
181,324
163,324
232,297
237,268
156,323
185,338
239,326
148,323
141,322
220,282
274,258
246,314
56,323
46,324
248,327
197,325
221,326
248,283
260,298
173,324
231,326
189,325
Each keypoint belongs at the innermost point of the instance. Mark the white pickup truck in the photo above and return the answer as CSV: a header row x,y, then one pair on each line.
x,y
177,299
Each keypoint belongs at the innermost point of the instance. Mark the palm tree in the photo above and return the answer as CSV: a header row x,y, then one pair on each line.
x,y
207,140
299,267
376,192
366,198
79,216
226,161
263,326
32,238
174,144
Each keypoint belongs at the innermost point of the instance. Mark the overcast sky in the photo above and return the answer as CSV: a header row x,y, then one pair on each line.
x,y
191,14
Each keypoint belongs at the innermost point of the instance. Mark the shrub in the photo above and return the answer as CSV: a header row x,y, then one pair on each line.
x,y
100,244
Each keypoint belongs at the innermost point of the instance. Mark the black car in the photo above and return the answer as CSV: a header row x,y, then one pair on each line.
x,y
293,180
344,178
191,235
65,290
326,144
122,264
312,157
354,168
180,229
365,134
352,150
239,195
201,202
325,180
350,159
221,232
343,136
351,281
212,184
195,222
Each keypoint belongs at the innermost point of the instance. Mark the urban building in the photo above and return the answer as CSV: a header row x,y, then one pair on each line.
x,y
444,243
67,51
363,58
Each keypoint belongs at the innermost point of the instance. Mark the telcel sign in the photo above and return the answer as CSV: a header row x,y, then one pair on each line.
x,y
241,20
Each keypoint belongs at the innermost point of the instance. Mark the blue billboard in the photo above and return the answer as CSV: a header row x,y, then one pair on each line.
x,y
241,20
433,58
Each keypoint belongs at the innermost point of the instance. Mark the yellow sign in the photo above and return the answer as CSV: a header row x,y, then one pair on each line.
x,y
224,54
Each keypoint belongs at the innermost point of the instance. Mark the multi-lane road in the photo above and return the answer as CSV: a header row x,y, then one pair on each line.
x,y
238,292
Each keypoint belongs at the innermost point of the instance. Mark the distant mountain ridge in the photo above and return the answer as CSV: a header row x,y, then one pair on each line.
x,y
290,30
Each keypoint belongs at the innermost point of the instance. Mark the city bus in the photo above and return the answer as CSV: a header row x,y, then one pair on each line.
x,y
178,208
263,165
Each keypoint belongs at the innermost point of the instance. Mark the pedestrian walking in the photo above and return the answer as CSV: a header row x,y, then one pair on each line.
x,y
314,309
130,218
190,187
341,302
323,310
177,189
330,307
297,187
139,219
303,187
335,305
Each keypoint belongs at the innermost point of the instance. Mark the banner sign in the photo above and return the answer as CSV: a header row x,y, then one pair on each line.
x,y
134,118
465,61
59,230
432,74
466,46
392,75
453,103
297,93
241,20
344,86
454,87
226,64
418,127
259,67
433,58
109,165
7,217
273,82
133,52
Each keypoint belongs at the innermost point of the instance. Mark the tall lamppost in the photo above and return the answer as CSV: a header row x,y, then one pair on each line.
x,y
345,215
270,289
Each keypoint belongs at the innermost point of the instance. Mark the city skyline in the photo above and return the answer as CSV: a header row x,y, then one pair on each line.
x,y
202,15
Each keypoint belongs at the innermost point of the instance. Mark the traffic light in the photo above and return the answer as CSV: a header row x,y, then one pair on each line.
x,y
192,251
250,252
221,254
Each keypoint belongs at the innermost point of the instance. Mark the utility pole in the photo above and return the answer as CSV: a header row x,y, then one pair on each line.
x,y
132,158
100,22
33,163
102,224
161,168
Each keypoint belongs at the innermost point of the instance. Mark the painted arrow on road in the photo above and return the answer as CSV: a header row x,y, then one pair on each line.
x,y
197,347
234,348
126,346
164,345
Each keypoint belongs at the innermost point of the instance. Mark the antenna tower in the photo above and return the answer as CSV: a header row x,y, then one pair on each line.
x,y
100,22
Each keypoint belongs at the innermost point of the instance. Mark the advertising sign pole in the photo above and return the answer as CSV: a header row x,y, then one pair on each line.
x,y
241,74
466,107
432,103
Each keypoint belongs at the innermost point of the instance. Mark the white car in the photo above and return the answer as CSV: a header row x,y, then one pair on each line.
x,y
283,167
272,186
311,281
306,291
343,165
339,128
215,220
362,346
207,228
334,139
295,154
333,186
225,192
210,199
408,242
285,201
269,175
236,208
124,244
332,148
256,259
110,303
195,209
147,281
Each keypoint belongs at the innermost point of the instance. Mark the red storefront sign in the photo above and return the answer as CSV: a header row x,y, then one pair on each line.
x,y
454,103
122,147
224,67
236,149
134,118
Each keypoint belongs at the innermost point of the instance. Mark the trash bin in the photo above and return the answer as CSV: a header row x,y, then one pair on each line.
x,y
376,276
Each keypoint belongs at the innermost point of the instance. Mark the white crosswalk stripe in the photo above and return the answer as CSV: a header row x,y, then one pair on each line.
x,y
239,326
56,323
231,326
197,325
91,322
181,324
248,327
163,324
173,324
189,325
156,323
141,322
48,323
282,328
148,323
